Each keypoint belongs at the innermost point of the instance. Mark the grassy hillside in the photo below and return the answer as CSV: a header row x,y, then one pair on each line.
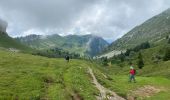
x,y
8,42
25,76
152,30
32,77
156,72
116,78
153,61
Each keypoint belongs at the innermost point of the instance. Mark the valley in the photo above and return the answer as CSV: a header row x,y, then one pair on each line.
x,y
89,45
87,67
26,76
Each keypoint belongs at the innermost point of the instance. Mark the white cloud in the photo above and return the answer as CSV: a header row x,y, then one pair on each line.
x,y
107,18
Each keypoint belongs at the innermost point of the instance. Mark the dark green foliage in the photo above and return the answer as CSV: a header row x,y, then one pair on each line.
x,y
167,37
104,61
56,53
114,61
121,65
140,62
140,55
122,57
130,63
119,59
127,53
167,54
144,45
130,52
169,41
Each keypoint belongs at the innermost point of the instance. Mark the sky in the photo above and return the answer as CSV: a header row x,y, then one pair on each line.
x,y
109,19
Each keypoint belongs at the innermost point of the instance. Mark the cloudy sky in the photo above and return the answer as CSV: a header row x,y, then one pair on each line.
x,y
107,18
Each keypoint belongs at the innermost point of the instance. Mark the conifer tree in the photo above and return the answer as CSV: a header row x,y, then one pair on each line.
x,y
140,62
167,54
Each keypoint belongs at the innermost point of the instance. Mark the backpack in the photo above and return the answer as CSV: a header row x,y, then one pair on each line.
x,y
135,71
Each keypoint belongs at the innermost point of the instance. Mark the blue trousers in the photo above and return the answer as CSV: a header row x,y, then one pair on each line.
x,y
132,77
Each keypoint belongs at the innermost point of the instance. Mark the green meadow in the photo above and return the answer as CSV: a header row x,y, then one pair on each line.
x,y
24,76
28,77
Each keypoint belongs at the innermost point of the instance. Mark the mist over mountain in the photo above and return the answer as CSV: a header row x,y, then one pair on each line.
x,y
9,43
85,45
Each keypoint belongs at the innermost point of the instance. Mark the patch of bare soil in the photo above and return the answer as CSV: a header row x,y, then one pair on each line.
x,y
76,96
143,92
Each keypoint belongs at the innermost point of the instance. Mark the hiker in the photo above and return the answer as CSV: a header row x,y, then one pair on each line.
x,y
132,74
67,58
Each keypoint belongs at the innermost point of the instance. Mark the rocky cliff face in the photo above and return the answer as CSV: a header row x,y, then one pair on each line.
x,y
3,25
96,45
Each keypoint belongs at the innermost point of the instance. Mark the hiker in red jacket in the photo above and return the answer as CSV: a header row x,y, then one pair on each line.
x,y
132,74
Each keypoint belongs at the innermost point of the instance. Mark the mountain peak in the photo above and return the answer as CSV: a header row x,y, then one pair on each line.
x,y
167,10
83,44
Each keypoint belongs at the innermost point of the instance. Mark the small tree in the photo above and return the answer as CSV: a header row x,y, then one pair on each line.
x,y
127,53
169,41
167,54
130,63
140,55
140,62
167,37
121,57
104,61
132,53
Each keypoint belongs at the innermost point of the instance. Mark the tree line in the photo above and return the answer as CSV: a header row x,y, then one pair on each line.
x,y
56,53
126,56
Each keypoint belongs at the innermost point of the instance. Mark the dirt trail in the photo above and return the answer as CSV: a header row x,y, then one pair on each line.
x,y
104,92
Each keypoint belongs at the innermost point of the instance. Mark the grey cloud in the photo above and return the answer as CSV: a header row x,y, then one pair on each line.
x,y
107,18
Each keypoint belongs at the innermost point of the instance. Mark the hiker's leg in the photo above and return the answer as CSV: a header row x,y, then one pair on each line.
x,y
130,78
133,77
